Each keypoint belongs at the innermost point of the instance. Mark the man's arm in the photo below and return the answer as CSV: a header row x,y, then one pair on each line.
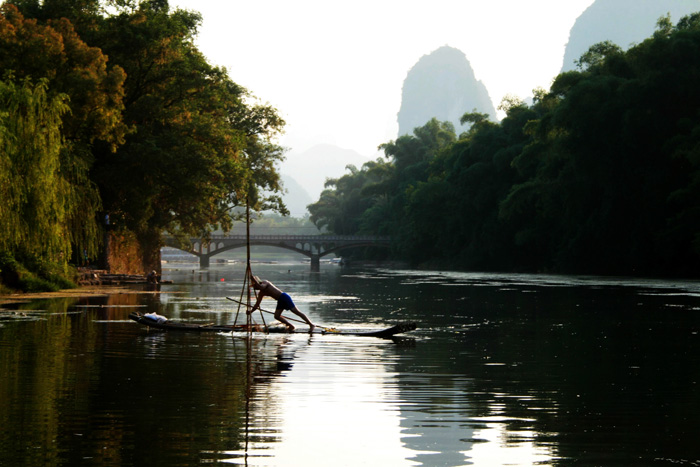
x,y
259,298
257,301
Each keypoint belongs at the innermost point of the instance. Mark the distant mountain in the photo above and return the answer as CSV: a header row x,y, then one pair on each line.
x,y
623,22
441,85
296,198
312,167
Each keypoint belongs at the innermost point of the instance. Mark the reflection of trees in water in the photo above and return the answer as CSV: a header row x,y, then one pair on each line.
x,y
581,374
565,369
45,366
74,388
55,305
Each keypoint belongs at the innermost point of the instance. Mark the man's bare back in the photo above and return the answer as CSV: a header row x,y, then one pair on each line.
x,y
269,289
284,302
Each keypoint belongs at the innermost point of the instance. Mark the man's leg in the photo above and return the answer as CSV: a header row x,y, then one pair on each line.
x,y
282,319
296,311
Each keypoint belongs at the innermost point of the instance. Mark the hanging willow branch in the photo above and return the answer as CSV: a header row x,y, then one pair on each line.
x,y
40,187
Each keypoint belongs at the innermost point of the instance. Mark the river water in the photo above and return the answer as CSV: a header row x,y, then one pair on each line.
x,y
503,370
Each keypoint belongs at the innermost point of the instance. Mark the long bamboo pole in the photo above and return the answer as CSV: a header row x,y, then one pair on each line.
x,y
248,272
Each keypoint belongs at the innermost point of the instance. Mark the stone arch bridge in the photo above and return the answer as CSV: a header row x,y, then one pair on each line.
x,y
312,246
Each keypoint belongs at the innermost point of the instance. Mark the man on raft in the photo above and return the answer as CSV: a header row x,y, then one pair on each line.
x,y
284,302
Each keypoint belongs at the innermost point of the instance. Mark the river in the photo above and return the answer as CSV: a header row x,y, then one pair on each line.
x,y
503,370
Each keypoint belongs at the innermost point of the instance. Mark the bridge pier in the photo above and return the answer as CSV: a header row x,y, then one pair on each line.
x,y
315,263
204,261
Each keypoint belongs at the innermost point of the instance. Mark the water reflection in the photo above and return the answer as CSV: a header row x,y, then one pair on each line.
x,y
435,418
338,402
503,370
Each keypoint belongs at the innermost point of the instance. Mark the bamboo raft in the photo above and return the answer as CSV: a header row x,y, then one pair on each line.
x,y
169,325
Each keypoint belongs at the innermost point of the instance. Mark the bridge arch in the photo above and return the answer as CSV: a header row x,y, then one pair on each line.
x,y
285,247
311,246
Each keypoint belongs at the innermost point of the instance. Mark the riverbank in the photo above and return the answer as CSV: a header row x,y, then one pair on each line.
x,y
91,282
83,291
87,276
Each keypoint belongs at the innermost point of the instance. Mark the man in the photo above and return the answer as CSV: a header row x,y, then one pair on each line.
x,y
284,302
152,277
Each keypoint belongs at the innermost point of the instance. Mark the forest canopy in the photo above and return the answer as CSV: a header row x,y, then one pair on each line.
x,y
600,174
121,118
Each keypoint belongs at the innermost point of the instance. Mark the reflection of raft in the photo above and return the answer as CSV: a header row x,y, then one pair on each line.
x,y
168,325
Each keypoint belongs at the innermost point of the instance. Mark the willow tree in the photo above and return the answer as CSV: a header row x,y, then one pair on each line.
x,y
182,144
38,199
77,75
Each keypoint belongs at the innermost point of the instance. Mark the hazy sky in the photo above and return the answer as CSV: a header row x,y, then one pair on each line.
x,y
334,70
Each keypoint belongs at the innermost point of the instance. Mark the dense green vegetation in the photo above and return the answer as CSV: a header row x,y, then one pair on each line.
x,y
601,174
107,108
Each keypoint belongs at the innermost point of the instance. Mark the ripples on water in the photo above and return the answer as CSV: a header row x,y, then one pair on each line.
x,y
503,370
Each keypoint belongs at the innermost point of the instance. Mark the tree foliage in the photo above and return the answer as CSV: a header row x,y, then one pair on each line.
x,y
202,143
55,52
599,175
154,136
33,211
38,197
68,67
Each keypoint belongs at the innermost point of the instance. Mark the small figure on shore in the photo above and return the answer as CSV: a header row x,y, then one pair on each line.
x,y
284,302
152,277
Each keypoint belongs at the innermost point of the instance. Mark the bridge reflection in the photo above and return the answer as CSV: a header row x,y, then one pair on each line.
x,y
311,246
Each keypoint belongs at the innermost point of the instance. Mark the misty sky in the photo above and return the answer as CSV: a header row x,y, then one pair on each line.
x,y
334,70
